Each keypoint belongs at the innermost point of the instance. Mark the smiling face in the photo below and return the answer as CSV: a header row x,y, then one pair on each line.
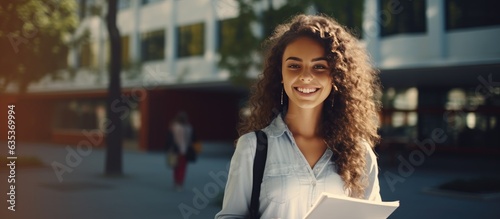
x,y
306,75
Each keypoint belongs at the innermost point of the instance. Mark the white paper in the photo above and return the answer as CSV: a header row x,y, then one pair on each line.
x,y
334,206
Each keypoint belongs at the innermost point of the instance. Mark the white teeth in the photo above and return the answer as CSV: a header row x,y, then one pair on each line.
x,y
307,90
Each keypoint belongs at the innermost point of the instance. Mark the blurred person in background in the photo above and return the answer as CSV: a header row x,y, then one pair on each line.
x,y
179,142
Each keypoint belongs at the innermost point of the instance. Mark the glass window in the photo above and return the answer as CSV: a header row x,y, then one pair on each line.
x,y
125,41
465,117
76,114
90,114
153,45
399,118
472,122
227,33
82,9
466,14
347,12
145,2
191,40
87,55
123,4
402,17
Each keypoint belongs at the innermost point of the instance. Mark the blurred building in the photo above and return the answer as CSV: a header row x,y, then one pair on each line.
x,y
440,68
169,63
439,62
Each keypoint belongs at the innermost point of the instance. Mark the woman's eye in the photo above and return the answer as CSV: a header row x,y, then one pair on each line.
x,y
319,67
293,66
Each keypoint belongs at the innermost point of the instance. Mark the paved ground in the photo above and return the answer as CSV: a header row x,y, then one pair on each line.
x,y
145,191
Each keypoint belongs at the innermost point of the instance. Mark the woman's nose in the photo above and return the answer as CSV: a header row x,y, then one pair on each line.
x,y
306,76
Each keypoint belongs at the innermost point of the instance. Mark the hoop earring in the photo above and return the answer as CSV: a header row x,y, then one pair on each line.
x,y
282,96
333,93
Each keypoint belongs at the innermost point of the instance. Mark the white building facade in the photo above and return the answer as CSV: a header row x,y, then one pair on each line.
x,y
439,63
164,42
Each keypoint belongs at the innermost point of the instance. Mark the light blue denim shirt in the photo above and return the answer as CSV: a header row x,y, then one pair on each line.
x,y
289,186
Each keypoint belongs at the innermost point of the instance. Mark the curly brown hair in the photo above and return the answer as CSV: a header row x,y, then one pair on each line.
x,y
352,121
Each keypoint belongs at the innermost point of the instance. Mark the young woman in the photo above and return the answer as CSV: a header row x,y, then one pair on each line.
x,y
316,101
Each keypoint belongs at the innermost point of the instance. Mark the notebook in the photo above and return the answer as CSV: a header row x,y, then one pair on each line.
x,y
335,206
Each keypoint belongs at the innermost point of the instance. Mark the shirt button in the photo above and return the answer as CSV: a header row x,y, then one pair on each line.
x,y
313,183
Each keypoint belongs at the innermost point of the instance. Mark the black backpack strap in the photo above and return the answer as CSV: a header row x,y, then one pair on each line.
x,y
259,164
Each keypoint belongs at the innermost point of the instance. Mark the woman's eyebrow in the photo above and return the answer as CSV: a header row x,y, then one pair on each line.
x,y
294,58
319,59
300,60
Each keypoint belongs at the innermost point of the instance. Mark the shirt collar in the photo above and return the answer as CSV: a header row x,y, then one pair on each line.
x,y
277,127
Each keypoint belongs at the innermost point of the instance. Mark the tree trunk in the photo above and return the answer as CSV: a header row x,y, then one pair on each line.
x,y
114,125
